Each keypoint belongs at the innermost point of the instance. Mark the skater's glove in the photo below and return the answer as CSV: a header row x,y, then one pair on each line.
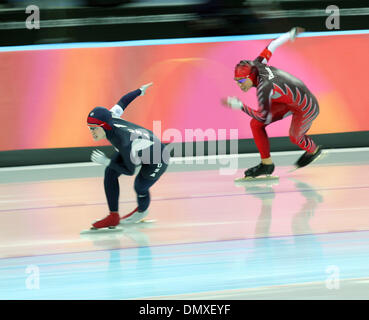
x,y
234,103
294,32
99,157
144,87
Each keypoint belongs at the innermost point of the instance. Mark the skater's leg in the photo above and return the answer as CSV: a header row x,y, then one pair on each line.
x,y
300,124
111,186
146,178
298,134
258,128
261,140
262,143
142,187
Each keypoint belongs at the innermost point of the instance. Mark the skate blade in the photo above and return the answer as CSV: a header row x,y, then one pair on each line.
x,y
147,221
322,155
126,223
257,179
101,230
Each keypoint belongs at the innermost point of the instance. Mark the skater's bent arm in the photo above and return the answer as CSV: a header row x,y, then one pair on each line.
x,y
118,167
237,104
124,164
126,167
266,54
264,94
253,113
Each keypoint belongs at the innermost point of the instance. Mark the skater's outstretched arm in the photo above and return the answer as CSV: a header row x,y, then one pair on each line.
x,y
291,35
123,103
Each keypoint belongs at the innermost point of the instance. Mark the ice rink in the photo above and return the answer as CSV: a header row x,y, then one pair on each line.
x,y
304,236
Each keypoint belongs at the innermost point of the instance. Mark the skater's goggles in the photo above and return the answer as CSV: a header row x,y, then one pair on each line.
x,y
242,80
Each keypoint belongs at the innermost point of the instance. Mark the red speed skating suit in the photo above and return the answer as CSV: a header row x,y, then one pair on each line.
x,y
280,94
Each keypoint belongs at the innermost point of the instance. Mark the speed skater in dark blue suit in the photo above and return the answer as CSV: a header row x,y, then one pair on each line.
x,y
135,146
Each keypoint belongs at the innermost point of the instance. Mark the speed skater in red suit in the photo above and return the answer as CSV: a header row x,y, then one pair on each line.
x,y
280,95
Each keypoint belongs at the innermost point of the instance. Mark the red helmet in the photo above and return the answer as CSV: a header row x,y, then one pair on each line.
x,y
245,69
242,69
100,117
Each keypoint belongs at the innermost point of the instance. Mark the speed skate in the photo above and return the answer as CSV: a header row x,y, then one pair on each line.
x,y
304,160
261,172
135,217
119,228
113,222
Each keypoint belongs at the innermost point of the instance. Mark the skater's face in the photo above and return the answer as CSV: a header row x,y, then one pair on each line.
x,y
97,133
244,83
